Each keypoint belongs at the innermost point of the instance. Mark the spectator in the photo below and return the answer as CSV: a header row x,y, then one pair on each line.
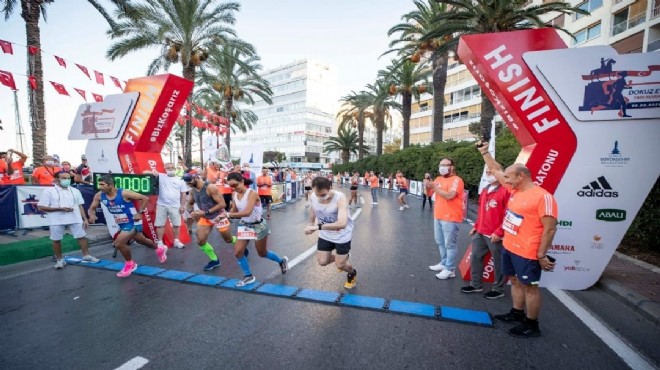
x,y
77,179
45,174
84,171
6,168
265,184
249,175
448,215
14,170
170,205
56,158
487,235
427,191
181,169
373,182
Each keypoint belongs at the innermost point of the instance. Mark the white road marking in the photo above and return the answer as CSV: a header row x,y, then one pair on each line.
x,y
627,353
134,364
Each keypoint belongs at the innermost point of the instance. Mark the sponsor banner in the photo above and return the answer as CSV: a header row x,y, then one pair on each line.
x,y
29,215
466,271
103,120
253,155
287,190
278,193
414,188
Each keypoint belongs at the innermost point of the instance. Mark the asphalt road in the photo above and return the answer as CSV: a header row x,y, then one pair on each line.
x,y
85,318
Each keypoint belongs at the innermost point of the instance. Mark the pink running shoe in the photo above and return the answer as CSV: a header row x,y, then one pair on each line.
x,y
127,270
162,253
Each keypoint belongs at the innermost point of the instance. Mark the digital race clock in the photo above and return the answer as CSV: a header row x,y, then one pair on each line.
x,y
141,184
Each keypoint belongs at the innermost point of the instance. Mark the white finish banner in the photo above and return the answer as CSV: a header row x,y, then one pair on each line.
x,y
103,120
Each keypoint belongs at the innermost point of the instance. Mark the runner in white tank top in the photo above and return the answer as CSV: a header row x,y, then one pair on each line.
x,y
246,205
330,216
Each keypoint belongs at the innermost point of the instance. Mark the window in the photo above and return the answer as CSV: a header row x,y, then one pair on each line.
x,y
589,6
587,34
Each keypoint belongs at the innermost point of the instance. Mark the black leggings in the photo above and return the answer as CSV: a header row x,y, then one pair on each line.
x,y
424,198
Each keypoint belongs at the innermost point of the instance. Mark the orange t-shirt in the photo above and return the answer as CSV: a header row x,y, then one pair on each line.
x,y
449,209
45,175
17,178
212,175
4,178
403,183
264,184
522,222
374,181
221,183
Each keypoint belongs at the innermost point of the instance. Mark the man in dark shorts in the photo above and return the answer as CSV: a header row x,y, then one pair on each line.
x,y
264,189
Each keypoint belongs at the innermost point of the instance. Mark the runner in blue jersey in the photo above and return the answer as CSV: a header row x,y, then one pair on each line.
x,y
119,203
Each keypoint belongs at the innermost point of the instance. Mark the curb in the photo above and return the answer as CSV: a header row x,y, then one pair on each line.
x,y
646,307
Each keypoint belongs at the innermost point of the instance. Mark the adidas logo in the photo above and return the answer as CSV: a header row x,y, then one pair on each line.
x,y
599,189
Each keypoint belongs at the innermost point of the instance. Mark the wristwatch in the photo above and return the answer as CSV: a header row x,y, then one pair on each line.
x,y
542,257
320,226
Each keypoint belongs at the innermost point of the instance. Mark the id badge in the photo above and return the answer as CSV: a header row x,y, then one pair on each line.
x,y
246,233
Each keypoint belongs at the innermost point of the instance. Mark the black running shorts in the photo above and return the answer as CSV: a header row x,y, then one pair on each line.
x,y
327,246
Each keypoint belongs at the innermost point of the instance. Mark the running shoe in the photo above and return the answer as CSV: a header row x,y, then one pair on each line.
x,y
439,267
90,259
445,274
59,264
510,317
493,295
525,330
246,281
400,208
284,265
351,280
178,244
406,206
162,254
233,240
127,270
211,265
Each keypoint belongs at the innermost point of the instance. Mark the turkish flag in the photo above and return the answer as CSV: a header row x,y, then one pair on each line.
x,y
33,82
116,81
99,77
6,47
32,49
60,88
60,61
7,79
81,92
84,70
98,98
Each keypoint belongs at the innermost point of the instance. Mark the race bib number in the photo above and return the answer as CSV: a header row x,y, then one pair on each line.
x,y
246,233
221,222
512,222
121,219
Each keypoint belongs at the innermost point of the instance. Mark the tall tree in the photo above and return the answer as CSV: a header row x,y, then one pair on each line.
x,y
409,80
183,30
409,43
31,12
487,16
381,103
346,142
355,113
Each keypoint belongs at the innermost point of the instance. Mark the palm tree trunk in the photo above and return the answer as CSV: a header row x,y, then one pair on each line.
x,y
380,127
31,13
360,137
407,112
188,74
345,156
229,104
487,114
439,63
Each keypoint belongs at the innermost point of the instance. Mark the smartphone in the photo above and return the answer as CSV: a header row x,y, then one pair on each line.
x,y
553,260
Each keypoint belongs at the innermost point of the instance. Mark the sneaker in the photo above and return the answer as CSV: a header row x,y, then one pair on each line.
x,y
525,330
233,240
351,280
90,259
59,264
284,265
246,281
178,244
127,270
400,208
510,317
162,254
439,267
493,295
211,265
406,206
445,274
471,289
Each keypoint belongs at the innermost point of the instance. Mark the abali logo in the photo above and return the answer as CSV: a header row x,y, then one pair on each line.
x,y
599,189
610,215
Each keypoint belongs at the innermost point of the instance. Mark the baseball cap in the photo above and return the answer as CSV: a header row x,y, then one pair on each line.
x,y
188,177
56,157
83,157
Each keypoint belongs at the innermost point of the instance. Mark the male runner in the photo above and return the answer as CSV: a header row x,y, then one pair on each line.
x,y
265,184
307,183
329,215
403,190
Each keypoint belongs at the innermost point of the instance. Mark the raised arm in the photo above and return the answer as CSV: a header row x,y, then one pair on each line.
x,y
91,211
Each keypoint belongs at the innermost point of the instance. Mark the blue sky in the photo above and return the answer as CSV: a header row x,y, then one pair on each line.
x,y
349,35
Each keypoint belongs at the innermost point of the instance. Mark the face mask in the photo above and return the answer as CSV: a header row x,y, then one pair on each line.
x,y
170,173
443,170
491,179
65,182
50,163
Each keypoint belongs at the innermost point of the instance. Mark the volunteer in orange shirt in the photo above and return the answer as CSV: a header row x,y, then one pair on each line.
x,y
6,168
403,190
264,189
448,215
373,182
16,178
427,191
45,174
529,226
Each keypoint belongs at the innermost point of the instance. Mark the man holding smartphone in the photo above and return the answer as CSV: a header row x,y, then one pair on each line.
x,y
529,225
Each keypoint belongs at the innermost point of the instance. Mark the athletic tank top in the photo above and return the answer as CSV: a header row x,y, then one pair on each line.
x,y
328,214
121,210
308,182
204,201
242,204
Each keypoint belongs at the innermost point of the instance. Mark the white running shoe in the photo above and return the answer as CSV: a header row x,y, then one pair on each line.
x,y
439,267
60,264
400,208
90,259
406,206
445,274
178,244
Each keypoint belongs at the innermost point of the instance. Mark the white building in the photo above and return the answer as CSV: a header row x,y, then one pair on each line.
x,y
301,118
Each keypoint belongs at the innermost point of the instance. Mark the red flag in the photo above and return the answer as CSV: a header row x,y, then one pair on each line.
x,y
84,70
98,98
33,82
81,92
60,61
7,79
60,88
116,81
32,49
6,47
99,77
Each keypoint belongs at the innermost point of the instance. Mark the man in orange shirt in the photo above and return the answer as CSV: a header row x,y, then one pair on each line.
x,y
373,182
264,185
16,178
529,226
6,168
448,215
403,190
45,174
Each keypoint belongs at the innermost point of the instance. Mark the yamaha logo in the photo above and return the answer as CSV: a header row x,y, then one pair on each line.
x,y
599,188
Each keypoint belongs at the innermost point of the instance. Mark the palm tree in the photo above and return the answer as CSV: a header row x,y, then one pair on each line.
x,y
487,16
183,30
346,142
31,11
234,75
355,114
381,103
409,80
418,23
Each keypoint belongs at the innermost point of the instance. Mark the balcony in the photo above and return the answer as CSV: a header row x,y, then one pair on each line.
x,y
655,12
629,23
